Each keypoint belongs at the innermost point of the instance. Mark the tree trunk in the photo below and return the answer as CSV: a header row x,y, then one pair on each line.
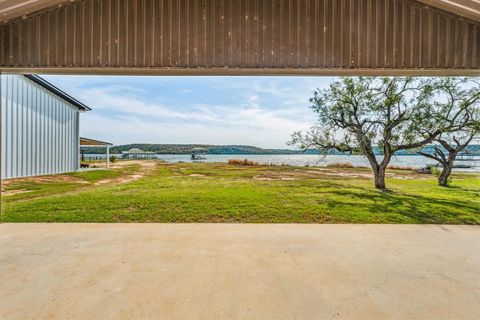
x,y
445,174
378,168
379,173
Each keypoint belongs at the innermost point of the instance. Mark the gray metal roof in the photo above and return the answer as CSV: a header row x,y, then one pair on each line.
x,y
50,87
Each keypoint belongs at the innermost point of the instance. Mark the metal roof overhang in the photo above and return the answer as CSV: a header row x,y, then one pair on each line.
x,y
93,142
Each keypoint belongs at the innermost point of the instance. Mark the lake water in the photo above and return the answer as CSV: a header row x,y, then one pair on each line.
x,y
304,160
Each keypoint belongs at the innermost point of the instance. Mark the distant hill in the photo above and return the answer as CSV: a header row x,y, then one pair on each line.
x,y
232,149
473,148
189,148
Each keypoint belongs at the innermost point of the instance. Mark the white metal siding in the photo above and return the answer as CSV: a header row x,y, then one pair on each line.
x,y
40,131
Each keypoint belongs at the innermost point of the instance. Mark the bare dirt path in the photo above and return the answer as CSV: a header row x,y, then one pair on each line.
x,y
145,167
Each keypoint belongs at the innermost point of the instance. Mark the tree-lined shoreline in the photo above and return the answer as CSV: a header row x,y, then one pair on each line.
x,y
243,149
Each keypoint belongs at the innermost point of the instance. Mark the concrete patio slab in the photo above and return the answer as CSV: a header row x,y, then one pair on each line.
x,y
235,271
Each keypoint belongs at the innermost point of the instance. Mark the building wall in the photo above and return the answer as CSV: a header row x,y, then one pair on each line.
x,y
39,130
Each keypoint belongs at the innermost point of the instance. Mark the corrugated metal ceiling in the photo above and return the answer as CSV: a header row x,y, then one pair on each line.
x,y
235,36
11,9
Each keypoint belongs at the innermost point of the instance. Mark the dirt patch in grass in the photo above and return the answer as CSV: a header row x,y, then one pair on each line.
x,y
145,167
145,164
13,192
263,178
291,175
368,175
299,174
347,174
44,179
126,179
57,178
198,175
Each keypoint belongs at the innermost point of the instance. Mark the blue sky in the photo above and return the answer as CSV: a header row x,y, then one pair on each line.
x,y
259,111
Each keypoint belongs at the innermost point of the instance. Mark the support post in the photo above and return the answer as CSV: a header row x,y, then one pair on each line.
x,y
108,157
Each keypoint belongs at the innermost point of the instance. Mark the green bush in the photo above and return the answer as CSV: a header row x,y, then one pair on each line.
x,y
436,171
113,158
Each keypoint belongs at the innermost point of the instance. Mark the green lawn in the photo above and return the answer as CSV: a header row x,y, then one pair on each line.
x,y
222,193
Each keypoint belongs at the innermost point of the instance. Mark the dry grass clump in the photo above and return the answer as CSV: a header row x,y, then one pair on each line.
x,y
244,162
340,165
394,167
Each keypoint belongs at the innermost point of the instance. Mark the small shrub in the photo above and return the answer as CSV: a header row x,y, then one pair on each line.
x,y
245,162
84,165
113,158
235,162
436,171
268,164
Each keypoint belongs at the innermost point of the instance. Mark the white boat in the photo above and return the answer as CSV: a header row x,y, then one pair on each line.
x,y
197,158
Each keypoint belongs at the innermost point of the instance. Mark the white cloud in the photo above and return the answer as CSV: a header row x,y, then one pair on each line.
x,y
121,100
123,130
264,112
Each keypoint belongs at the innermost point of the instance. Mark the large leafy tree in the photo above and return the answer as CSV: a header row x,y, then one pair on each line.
x,y
356,114
457,108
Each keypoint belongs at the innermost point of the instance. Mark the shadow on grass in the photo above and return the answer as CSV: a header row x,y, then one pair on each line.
x,y
418,208
476,192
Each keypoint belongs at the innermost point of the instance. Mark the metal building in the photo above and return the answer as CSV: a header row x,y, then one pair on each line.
x,y
39,128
